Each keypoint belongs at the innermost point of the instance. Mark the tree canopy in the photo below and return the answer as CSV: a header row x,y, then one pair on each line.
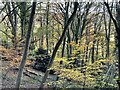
x,y
77,42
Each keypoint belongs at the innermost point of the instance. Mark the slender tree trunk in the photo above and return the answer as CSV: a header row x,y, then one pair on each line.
x,y
65,20
53,42
117,27
97,41
118,38
68,44
23,14
88,5
15,25
92,57
59,43
87,48
97,45
94,41
102,48
63,47
12,22
22,64
47,36
107,30
6,39
42,37
77,30
108,40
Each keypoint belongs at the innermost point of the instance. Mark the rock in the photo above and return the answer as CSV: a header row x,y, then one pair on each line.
x,y
42,61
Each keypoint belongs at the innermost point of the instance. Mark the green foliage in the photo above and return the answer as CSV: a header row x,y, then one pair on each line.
x,y
91,74
94,36
58,84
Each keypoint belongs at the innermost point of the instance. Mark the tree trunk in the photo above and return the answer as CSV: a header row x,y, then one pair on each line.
x,y
58,44
22,64
65,20
63,47
23,15
94,41
117,27
68,44
107,31
12,22
118,38
47,36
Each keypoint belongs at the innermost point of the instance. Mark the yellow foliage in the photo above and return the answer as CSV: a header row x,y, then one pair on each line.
x,y
80,75
72,43
71,74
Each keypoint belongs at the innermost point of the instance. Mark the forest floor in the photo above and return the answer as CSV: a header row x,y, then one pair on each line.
x,y
10,64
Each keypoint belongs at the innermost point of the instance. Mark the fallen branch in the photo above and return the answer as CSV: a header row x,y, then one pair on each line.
x,y
27,74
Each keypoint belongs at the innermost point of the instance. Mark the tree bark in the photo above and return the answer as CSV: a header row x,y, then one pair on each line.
x,y
47,36
23,17
12,22
65,21
117,27
22,64
59,43
63,47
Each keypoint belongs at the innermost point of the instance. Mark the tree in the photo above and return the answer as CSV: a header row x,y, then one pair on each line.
x,y
59,43
65,20
117,27
47,35
13,21
23,18
22,64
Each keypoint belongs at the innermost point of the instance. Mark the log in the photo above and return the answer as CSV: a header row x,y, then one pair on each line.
x,y
32,72
28,74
